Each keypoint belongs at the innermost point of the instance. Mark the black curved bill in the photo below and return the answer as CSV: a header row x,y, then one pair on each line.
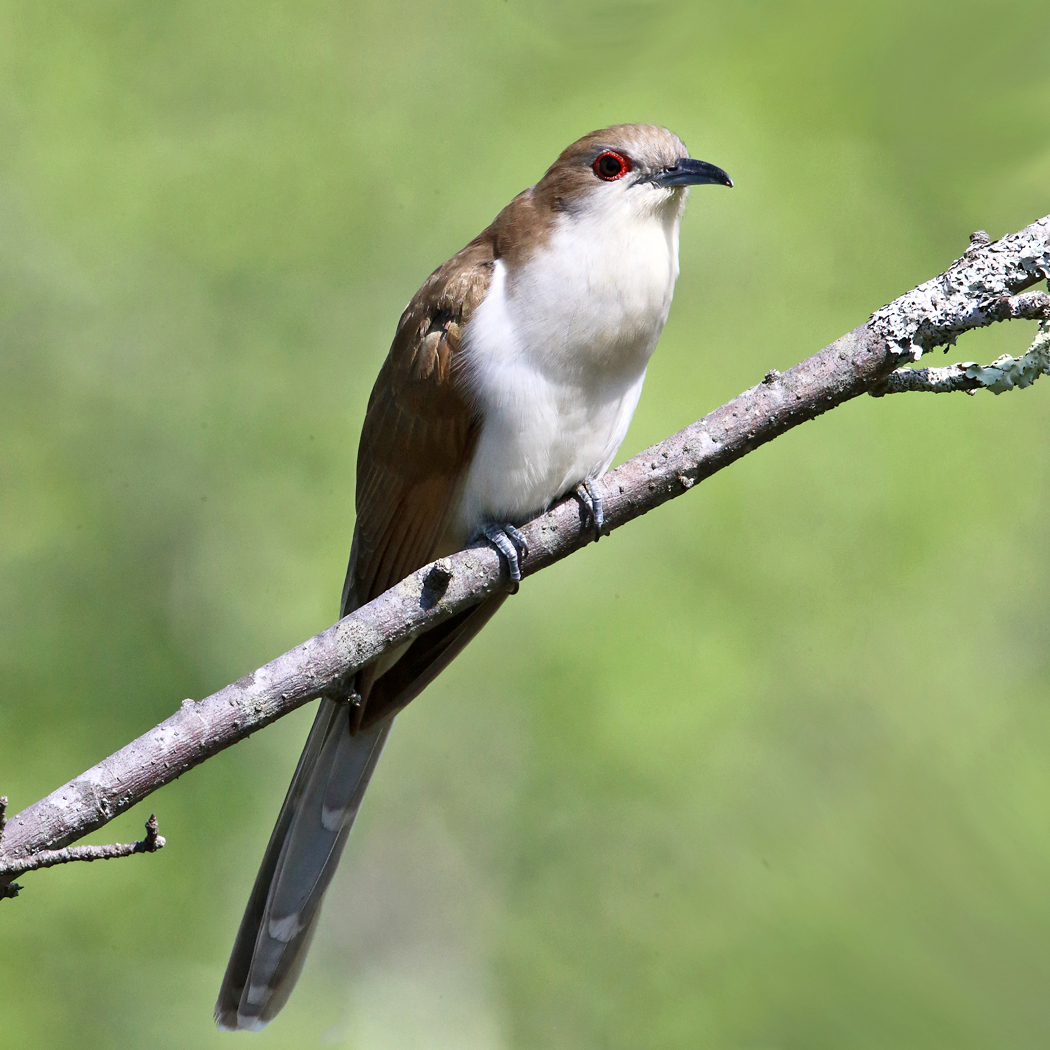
x,y
689,172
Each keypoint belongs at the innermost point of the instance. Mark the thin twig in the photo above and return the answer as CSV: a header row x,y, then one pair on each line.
x,y
928,380
48,858
968,295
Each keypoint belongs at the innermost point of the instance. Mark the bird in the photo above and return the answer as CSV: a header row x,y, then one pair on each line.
x,y
510,383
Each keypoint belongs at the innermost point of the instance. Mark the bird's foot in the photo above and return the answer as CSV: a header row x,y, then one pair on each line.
x,y
591,503
510,542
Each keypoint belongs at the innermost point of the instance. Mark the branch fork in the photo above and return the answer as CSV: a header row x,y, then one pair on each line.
x,y
48,858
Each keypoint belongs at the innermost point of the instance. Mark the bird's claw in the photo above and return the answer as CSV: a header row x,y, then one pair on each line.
x,y
511,543
591,502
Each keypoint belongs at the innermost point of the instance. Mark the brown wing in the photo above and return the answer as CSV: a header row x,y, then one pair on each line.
x,y
419,432
418,439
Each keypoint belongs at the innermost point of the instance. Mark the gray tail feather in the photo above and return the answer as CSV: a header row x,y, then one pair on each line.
x,y
315,820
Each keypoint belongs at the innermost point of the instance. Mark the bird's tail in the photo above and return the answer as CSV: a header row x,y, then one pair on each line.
x,y
301,858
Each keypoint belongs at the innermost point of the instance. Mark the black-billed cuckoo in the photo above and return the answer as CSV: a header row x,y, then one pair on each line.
x,y
511,381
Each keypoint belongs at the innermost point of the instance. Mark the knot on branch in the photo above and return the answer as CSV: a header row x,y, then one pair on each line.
x,y
152,842
436,583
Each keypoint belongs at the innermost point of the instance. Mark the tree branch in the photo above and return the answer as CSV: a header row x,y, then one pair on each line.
x,y
970,294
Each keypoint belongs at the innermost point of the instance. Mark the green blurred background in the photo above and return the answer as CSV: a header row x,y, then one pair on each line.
x,y
769,769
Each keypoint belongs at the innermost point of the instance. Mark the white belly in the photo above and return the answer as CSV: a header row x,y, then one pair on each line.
x,y
556,356
545,439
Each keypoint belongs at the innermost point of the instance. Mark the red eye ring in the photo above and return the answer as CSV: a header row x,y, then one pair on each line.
x,y
610,166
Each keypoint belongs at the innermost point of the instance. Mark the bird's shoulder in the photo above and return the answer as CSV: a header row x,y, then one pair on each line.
x,y
420,429
430,332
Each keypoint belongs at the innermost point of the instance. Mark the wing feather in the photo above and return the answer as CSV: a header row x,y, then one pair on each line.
x,y
419,433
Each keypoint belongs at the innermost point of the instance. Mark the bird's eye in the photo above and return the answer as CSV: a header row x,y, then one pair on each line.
x,y
610,166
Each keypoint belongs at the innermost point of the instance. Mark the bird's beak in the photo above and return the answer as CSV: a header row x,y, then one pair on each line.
x,y
688,172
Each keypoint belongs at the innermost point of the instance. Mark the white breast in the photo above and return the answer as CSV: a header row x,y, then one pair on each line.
x,y
556,356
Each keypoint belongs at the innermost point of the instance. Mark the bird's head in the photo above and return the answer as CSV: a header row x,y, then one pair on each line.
x,y
643,168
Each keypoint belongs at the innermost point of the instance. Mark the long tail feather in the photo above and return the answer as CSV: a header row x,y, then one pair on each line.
x,y
314,823
315,820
